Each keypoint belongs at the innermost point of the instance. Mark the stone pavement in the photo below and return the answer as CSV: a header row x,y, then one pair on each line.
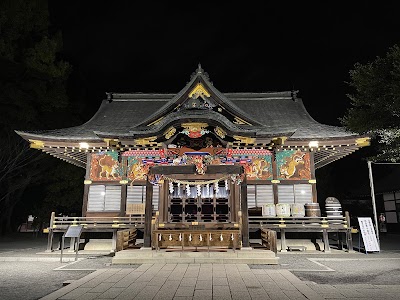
x,y
210,281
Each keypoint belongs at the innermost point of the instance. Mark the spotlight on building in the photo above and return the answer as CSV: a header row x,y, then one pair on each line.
x,y
84,145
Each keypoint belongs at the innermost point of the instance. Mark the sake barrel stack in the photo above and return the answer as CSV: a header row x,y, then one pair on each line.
x,y
333,208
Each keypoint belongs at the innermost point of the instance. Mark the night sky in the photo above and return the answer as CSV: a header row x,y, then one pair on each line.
x,y
124,46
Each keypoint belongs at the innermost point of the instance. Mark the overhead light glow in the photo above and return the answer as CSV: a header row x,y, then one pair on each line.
x,y
313,144
84,145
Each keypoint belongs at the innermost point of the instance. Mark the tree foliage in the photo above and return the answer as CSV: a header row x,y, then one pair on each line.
x,y
375,103
33,96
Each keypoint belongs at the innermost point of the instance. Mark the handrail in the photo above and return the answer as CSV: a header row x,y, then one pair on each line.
x,y
324,222
103,222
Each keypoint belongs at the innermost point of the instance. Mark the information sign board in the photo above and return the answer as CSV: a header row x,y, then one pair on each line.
x,y
368,234
73,231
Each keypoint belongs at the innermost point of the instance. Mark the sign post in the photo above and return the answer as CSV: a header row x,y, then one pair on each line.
x,y
73,231
368,234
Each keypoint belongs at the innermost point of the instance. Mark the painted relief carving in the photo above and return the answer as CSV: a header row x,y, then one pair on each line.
x,y
293,164
137,169
259,168
105,166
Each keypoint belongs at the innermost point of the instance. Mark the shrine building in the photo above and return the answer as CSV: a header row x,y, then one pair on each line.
x,y
199,160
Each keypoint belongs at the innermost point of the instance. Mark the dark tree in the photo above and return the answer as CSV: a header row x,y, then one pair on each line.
x,y
33,96
376,103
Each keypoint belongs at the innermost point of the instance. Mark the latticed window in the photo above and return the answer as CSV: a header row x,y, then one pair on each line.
x,y
137,194
104,198
258,195
294,193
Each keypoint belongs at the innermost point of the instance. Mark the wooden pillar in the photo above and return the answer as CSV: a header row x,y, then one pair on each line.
x,y
87,186
274,177
124,189
314,185
148,214
51,233
283,240
245,214
325,237
162,202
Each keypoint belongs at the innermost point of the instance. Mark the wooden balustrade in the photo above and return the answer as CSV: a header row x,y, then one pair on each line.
x,y
192,238
62,223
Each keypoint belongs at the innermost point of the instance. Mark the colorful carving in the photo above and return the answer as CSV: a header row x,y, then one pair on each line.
x,y
137,169
259,168
293,164
105,166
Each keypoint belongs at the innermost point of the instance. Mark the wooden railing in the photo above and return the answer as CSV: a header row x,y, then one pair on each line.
x,y
304,224
298,222
195,238
62,223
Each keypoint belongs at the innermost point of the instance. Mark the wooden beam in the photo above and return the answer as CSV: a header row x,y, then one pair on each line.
x,y
148,214
191,169
245,214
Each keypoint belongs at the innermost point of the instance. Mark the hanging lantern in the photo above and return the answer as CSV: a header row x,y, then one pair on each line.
x,y
171,188
201,238
180,237
159,237
210,237
190,237
170,237
221,238
232,238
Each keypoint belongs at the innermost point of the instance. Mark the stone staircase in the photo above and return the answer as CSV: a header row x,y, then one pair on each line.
x,y
177,256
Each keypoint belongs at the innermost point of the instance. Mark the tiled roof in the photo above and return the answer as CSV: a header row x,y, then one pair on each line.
x,y
124,114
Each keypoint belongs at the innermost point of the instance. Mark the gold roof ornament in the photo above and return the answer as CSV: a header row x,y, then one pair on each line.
x,y
220,132
244,139
145,141
240,121
279,140
155,122
199,91
36,144
194,126
363,142
170,132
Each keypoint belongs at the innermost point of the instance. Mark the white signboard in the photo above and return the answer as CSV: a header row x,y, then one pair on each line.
x,y
368,234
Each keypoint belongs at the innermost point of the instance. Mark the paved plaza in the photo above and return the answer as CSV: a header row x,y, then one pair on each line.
x,y
210,281
27,273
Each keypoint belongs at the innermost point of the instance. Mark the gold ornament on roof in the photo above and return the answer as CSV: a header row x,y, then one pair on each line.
x,y
145,141
279,140
244,139
169,133
194,127
36,144
362,142
156,121
220,132
199,91
240,121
